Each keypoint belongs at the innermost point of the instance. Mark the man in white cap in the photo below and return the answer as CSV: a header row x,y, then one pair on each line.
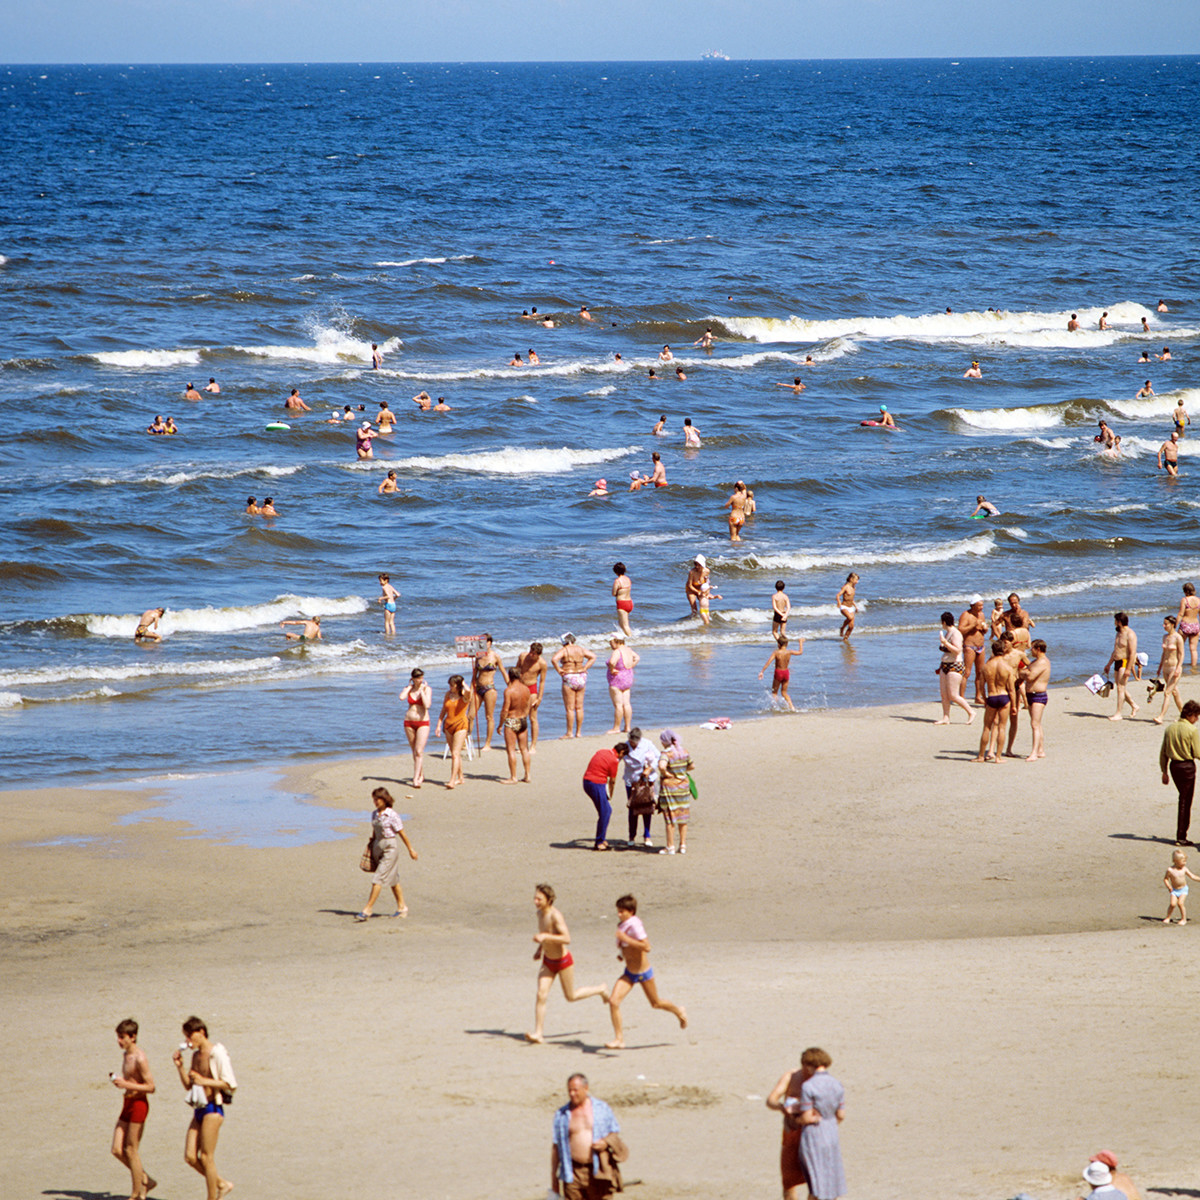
x,y
973,626
1100,1177
1120,1180
695,581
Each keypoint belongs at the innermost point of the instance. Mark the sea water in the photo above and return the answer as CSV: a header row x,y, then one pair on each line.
x,y
266,225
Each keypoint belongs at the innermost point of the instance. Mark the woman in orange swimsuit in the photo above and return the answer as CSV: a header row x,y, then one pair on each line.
x,y
455,721
416,721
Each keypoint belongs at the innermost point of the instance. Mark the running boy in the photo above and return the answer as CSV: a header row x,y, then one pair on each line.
x,y
781,657
846,606
632,948
781,606
553,937
137,1083
1175,881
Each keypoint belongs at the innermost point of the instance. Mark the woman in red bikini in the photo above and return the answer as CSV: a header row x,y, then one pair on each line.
x,y
416,721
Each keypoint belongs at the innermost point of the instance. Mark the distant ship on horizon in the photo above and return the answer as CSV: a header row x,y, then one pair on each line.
x,y
714,56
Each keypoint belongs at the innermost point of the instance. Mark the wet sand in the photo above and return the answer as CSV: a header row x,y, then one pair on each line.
x,y
979,947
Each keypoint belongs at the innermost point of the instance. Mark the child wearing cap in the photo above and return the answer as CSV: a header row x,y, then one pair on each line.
x,y
601,489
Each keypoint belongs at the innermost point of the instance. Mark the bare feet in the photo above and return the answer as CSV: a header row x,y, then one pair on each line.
x,y
1158,720
536,1038
1116,717
1183,920
224,1188
614,1045
943,721
1166,920
683,1018
484,749
970,718
1032,758
512,780
979,759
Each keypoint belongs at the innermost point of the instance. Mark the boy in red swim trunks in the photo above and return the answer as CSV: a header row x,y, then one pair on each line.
x,y
781,657
137,1083
553,937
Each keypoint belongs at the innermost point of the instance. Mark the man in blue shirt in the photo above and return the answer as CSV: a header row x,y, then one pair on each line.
x,y
580,1127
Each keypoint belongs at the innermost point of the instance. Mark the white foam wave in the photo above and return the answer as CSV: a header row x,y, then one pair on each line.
x,y
762,615
607,390
330,345
3,260
929,552
1159,405
511,460
1058,443
1015,531
10,699
412,262
942,326
1120,508
147,358
176,477
227,620
1140,447
1007,419
40,676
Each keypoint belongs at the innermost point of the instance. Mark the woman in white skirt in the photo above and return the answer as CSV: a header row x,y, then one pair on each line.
x,y
387,827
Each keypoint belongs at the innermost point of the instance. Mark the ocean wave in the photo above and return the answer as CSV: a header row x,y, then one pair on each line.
x,y
1140,447
224,620
607,390
930,552
511,460
41,676
1042,416
1161,404
412,262
10,699
1058,443
330,345
147,358
938,327
175,477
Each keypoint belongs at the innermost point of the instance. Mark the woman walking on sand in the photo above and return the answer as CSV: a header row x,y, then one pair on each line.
x,y
455,720
822,1110
1189,618
419,697
1170,666
674,789
386,827
620,682
951,672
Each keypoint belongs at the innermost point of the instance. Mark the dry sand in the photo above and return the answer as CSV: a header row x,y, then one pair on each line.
x,y
978,947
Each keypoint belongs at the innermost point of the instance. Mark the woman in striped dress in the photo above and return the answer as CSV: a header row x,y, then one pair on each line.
x,y
674,792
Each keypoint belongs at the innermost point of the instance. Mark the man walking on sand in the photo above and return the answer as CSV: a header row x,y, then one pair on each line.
x,y
1124,652
514,720
633,948
581,1132
137,1083
552,938
1177,761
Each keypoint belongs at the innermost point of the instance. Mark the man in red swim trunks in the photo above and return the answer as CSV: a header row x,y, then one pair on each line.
x,y
533,667
137,1083
552,938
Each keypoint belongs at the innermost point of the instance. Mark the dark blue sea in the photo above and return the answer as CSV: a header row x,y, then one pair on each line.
x,y
263,226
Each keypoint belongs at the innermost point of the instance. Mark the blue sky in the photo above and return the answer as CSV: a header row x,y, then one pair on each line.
x,y
169,31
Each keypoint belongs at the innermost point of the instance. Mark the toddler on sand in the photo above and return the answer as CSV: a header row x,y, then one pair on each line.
x,y
1175,881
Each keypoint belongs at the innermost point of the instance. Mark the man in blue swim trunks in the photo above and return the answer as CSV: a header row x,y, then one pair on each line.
x,y
388,600
633,948
1000,687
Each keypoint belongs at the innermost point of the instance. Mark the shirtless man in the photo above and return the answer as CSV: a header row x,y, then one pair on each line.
x,y
516,360
1073,323
705,340
311,633
483,688
572,663
665,355
552,938
973,371
1168,454
1106,436
532,668
785,1098
376,357
1180,418
147,627
212,386
389,485
584,315
1162,307
694,584
388,597
294,403
1000,683
514,718
1165,356
252,508
441,405
658,477
268,508
1144,391
1014,643
622,593
974,627
886,418
191,393
136,1081
1037,682
846,606
633,948
660,426
795,386
211,1070
1014,609
580,1130
682,378
1121,659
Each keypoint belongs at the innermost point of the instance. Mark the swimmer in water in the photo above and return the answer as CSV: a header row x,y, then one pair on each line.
x,y
660,426
584,315
886,418
347,413
1162,307
1073,323
376,357
1145,326
1165,356
268,508
659,476
665,355
795,386
294,403
389,485
312,630
705,340
423,400
441,405
191,393
617,358
601,489
846,606
362,441
212,386
679,373
517,360
973,371
1144,391
652,376
691,435
252,508
533,358
147,627
1103,322
156,426
385,418
985,506
808,361
1145,357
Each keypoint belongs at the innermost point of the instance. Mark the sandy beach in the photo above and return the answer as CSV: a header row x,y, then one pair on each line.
x,y
979,947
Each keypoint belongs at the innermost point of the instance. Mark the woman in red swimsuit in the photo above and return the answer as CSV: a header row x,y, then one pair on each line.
x,y
416,721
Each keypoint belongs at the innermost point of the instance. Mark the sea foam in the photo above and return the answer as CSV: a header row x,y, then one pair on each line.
x,y
147,358
930,552
511,460
226,620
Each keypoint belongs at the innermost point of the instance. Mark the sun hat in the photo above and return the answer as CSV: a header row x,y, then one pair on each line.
x,y
1107,1157
1097,1174
602,483
700,559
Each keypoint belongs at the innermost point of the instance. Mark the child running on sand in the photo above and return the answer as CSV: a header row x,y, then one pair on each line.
x,y
1175,881
781,658
632,948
